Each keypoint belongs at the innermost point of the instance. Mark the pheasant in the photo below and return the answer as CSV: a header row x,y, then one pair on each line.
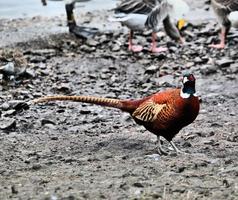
x,y
163,114
227,14
139,15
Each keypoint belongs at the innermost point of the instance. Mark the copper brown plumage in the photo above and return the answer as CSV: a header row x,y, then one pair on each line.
x,y
164,113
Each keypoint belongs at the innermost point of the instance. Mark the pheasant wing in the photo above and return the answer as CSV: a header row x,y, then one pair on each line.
x,y
148,111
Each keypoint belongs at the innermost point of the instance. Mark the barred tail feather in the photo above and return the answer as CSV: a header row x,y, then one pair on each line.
x,y
115,103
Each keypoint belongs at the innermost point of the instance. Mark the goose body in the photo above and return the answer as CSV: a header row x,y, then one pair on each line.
x,y
233,17
139,15
227,15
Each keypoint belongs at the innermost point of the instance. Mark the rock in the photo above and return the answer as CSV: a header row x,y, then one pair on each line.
x,y
46,121
36,167
9,113
8,69
14,190
7,123
85,112
5,106
165,80
39,52
225,62
233,68
64,87
116,47
155,157
137,184
198,60
92,43
152,69
37,59
18,104
208,69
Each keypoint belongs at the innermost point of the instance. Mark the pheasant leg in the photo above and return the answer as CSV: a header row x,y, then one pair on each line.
x,y
161,151
175,148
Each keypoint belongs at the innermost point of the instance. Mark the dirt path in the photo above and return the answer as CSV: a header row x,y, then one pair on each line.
x,y
80,151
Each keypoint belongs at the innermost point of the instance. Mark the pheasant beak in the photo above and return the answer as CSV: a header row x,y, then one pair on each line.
x,y
181,23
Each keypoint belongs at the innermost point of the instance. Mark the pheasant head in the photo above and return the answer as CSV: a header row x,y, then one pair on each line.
x,y
188,88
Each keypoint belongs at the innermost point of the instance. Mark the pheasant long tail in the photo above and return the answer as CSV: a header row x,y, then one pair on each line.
x,y
115,103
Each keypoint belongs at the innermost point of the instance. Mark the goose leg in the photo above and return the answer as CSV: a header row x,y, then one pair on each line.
x,y
69,7
131,47
221,45
78,31
44,3
154,48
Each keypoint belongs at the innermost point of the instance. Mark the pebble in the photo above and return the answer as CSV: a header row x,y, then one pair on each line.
x,y
5,106
224,62
234,68
208,69
155,157
152,69
92,43
116,47
7,123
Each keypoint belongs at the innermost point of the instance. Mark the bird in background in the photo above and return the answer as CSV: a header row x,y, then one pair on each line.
x,y
79,31
139,15
227,15
164,113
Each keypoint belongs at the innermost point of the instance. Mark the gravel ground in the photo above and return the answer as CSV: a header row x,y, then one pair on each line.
x,y
66,150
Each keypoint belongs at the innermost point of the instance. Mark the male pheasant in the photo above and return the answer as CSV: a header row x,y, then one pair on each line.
x,y
164,113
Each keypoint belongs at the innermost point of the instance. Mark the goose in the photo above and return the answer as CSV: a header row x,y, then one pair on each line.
x,y
227,15
79,31
139,15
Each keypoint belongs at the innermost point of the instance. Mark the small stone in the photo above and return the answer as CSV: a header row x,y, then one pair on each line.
x,y
18,104
225,62
155,157
37,59
64,87
152,69
7,123
14,190
36,167
85,112
116,47
92,43
46,121
234,68
166,80
137,184
9,113
198,60
208,69
5,106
